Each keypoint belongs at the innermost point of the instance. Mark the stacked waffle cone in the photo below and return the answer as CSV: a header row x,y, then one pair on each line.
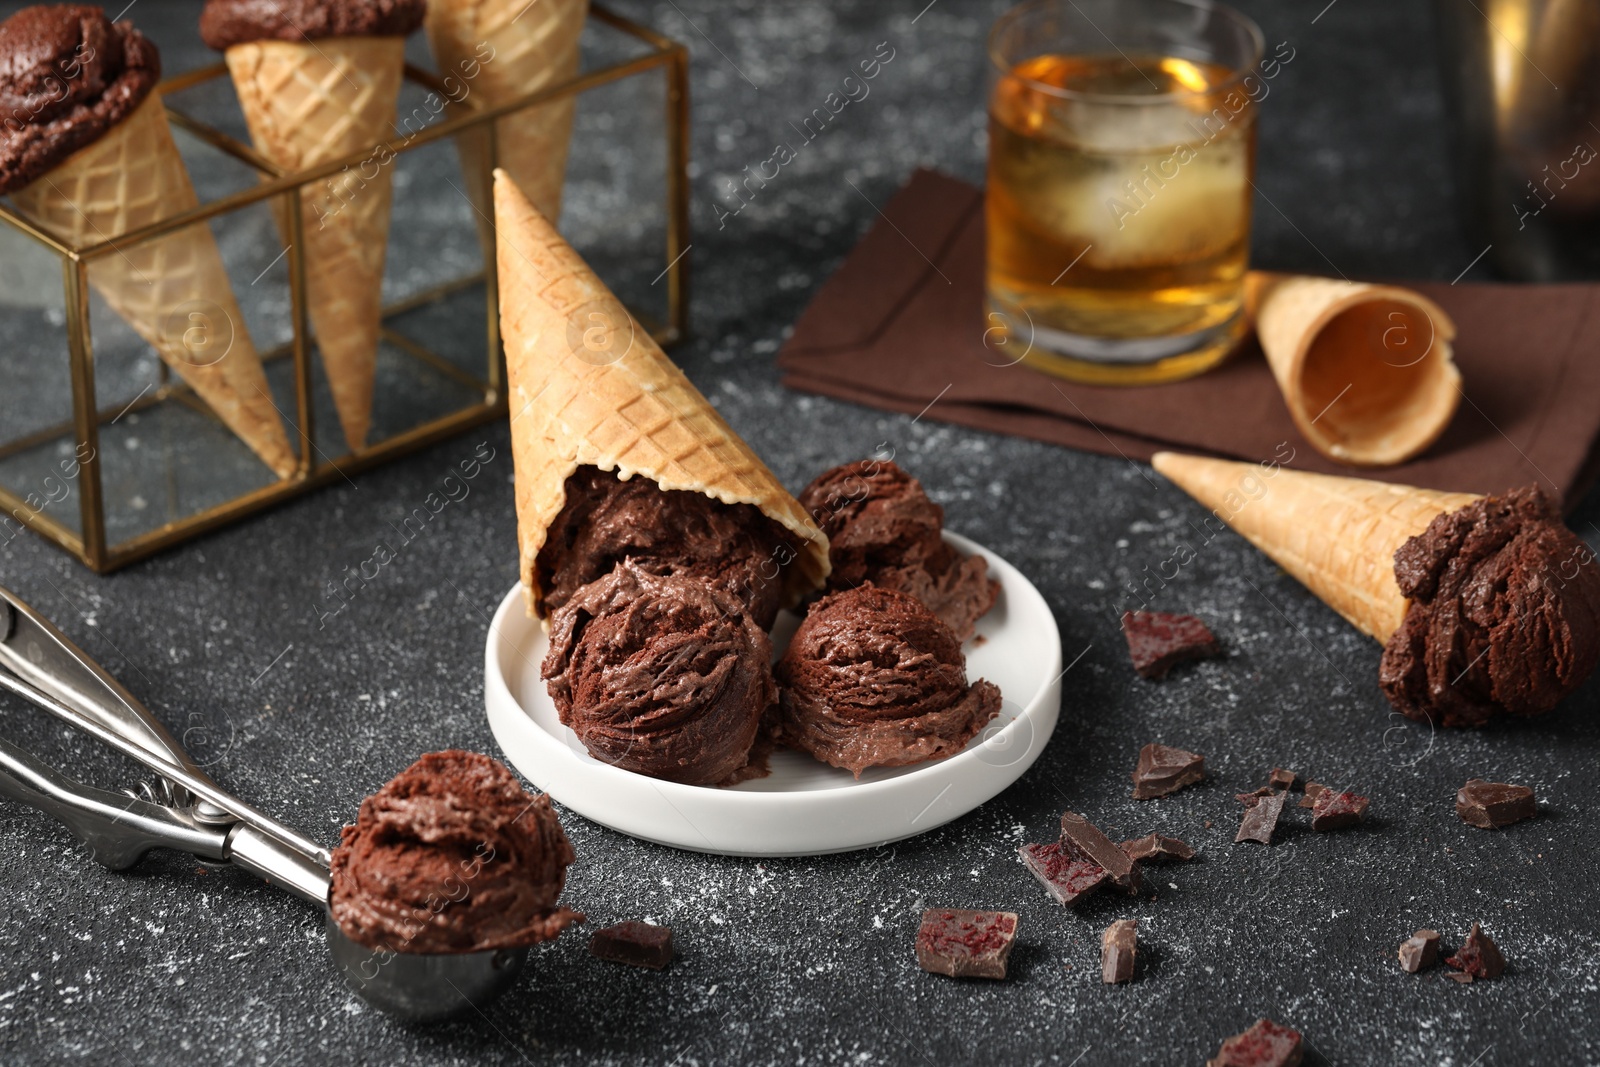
x,y
1337,536
514,48
589,386
173,290
305,104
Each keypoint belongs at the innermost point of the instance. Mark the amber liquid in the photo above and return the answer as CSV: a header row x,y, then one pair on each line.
x,y
1119,236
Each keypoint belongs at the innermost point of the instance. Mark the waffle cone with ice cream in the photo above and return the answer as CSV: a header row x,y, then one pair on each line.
x,y
588,386
1485,605
316,81
86,153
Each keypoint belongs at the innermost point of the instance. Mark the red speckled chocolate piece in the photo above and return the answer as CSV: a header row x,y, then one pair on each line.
x,y
1335,811
1478,956
1157,641
1066,877
1082,839
1266,1044
966,944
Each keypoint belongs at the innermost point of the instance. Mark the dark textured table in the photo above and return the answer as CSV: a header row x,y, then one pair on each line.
x,y
809,961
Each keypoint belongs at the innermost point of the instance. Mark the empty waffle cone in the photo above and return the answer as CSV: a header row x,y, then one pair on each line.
x,y
173,290
510,49
589,386
1337,536
307,103
1366,370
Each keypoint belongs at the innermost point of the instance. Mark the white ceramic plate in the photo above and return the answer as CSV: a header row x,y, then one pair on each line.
x,y
804,807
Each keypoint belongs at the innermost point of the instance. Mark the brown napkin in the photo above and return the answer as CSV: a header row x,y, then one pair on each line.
x,y
900,326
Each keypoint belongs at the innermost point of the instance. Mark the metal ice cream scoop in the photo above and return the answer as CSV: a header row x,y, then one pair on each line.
x,y
186,810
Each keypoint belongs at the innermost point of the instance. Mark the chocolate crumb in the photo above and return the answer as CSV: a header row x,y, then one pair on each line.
x,y
1249,799
1313,790
1118,946
1207,824
1281,779
1478,956
1082,839
1459,976
1153,848
1266,1044
1491,805
635,943
1067,878
966,944
1420,951
1335,811
1163,769
1158,641
1261,820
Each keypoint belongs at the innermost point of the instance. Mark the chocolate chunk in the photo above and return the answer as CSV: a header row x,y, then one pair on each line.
x,y
966,944
1082,839
1281,779
1335,811
635,943
1459,976
1163,769
1118,946
1491,805
1313,790
1478,956
1157,641
1419,951
1066,877
1153,848
1261,820
1266,1044
1249,799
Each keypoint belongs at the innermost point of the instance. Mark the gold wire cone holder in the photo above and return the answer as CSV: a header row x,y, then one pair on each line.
x,y
37,504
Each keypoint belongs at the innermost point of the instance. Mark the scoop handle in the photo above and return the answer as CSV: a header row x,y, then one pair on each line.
x,y
39,664
117,829
41,655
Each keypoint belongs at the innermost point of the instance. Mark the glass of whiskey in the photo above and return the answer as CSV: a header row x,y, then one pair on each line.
x,y
1122,144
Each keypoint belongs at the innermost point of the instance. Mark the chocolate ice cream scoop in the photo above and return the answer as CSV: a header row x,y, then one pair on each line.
x,y
883,528
452,856
872,678
606,520
664,675
67,75
1504,613
225,23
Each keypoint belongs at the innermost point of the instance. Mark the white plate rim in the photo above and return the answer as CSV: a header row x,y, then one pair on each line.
x,y
529,746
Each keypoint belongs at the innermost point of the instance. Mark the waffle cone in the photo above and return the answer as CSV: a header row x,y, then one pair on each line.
x,y
307,103
589,386
1338,536
173,290
512,49
1366,370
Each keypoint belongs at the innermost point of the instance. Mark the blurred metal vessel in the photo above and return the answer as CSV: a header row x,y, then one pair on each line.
x,y
1522,79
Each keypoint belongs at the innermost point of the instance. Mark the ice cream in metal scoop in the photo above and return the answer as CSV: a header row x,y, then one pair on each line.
x,y
442,968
